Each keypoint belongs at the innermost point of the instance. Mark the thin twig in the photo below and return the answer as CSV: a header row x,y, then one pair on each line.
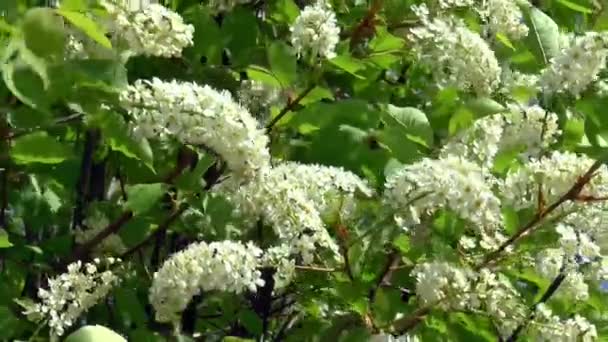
x,y
404,324
555,284
161,228
290,105
570,195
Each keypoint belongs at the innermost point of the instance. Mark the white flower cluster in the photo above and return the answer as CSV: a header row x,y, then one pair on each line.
x,y
547,327
97,222
198,115
280,258
391,338
291,198
151,31
447,4
505,16
442,284
71,294
458,56
578,64
315,31
225,5
223,266
554,174
418,190
513,80
579,258
496,296
529,130
258,97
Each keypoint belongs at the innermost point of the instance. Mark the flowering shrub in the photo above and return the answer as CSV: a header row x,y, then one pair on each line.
x,y
286,170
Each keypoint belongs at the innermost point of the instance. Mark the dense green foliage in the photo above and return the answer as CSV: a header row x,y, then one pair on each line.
x,y
69,159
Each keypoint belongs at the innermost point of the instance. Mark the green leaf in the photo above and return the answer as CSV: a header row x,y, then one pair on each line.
x,y
574,6
4,242
143,197
543,38
94,333
348,64
284,11
44,33
38,147
207,37
402,243
258,73
9,323
88,26
251,322
412,122
282,63
485,106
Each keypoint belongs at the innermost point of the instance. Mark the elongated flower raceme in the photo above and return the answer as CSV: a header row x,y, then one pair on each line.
x,y
315,31
292,197
198,115
73,293
457,56
418,190
258,98
555,175
505,16
578,65
442,284
217,266
547,327
527,130
152,31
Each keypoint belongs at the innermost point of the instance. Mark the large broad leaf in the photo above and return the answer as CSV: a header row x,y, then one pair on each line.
x,y
143,197
208,44
4,242
282,62
88,26
94,333
44,32
543,38
39,147
412,122
484,106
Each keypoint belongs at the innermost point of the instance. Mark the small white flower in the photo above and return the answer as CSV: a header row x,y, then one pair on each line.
x,y
505,16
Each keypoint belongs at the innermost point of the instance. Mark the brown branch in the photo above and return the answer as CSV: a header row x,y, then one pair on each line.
x,y
290,105
81,252
385,275
91,141
570,195
366,28
160,230
404,324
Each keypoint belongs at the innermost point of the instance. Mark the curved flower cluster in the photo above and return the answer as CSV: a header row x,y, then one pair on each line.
x,y
258,97
442,284
577,66
420,189
198,115
315,31
548,327
280,258
223,266
555,175
71,294
111,245
505,16
152,31
458,57
291,198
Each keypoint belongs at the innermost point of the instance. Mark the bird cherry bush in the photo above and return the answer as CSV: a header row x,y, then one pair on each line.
x,y
287,170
